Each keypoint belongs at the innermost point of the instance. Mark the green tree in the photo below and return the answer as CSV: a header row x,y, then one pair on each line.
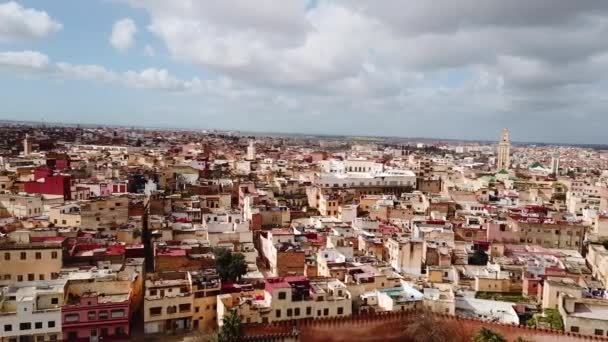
x,y
554,318
479,258
487,335
230,266
232,328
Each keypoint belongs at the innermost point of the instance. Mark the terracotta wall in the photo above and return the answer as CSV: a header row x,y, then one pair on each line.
x,y
393,327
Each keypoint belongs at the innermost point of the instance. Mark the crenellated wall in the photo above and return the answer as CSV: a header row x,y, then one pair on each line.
x,y
389,327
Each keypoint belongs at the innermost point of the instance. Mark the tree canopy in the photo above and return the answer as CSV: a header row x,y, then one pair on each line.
x,y
487,335
479,258
230,266
232,328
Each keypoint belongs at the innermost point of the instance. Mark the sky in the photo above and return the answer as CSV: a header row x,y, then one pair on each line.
x,y
442,69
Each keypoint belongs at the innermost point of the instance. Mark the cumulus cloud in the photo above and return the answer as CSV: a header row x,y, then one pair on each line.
x,y
380,67
24,59
488,60
150,78
287,44
123,34
18,22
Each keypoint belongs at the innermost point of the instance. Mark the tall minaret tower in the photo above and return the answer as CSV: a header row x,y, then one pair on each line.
x,y
504,151
27,145
555,163
251,151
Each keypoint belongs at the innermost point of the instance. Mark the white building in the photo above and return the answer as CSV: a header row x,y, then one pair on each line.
x,y
405,255
31,311
388,178
487,310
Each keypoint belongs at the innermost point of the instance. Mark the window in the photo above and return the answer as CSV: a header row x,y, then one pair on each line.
x,y
296,312
156,311
289,312
23,255
117,313
92,315
278,313
599,332
197,309
184,308
340,311
282,295
53,337
51,324
25,326
7,256
574,329
120,331
40,338
103,315
38,325
71,318
31,277
8,327
153,292
20,278
325,312
54,255
308,311
171,309
41,277
38,255
54,300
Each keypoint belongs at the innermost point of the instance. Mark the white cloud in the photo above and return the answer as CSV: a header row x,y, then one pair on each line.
x,y
123,34
86,72
18,22
24,59
356,61
149,51
153,79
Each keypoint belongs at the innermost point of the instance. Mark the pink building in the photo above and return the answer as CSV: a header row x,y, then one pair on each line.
x,y
47,182
93,316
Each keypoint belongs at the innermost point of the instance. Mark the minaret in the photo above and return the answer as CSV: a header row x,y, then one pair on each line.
x,y
251,151
504,151
27,145
555,163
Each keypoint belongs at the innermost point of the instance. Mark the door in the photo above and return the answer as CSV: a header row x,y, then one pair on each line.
x,y
93,335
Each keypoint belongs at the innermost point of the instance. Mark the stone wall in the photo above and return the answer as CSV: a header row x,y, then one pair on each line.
x,y
393,327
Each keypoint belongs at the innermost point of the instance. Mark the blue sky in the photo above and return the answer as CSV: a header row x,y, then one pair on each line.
x,y
358,67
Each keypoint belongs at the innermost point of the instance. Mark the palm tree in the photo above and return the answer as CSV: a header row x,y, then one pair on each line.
x,y
232,329
487,335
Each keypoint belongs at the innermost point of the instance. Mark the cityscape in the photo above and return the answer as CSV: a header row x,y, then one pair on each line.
x,y
303,171
126,233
